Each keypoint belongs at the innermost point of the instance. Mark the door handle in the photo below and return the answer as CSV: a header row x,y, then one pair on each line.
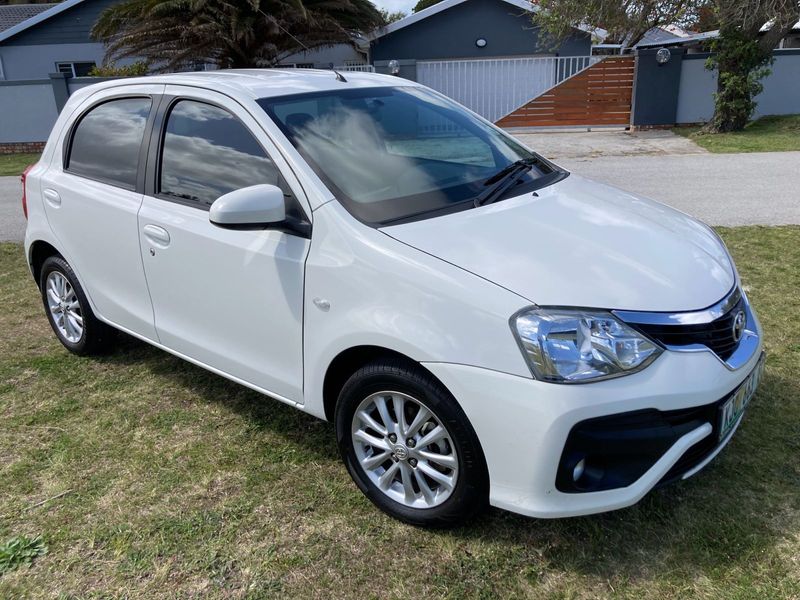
x,y
52,197
156,235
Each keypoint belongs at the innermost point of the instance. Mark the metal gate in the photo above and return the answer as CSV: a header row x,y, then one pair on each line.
x,y
599,95
495,87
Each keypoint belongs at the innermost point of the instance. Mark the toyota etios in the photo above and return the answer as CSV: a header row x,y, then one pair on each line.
x,y
482,326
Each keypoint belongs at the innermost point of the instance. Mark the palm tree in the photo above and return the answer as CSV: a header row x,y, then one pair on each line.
x,y
174,34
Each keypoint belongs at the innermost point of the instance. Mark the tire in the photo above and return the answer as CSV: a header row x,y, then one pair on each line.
x,y
396,383
72,321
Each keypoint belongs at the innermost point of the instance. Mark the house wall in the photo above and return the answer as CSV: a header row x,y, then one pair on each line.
x,y
322,58
69,27
33,53
37,61
781,95
451,33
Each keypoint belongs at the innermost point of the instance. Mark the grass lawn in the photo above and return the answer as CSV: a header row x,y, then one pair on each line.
x,y
14,164
148,477
767,134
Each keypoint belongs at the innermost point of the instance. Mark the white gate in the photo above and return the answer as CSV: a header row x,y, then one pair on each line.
x,y
494,87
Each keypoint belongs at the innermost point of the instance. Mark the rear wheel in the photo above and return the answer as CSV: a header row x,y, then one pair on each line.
x,y
68,310
409,447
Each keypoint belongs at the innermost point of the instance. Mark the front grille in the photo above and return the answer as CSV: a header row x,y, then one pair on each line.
x,y
717,335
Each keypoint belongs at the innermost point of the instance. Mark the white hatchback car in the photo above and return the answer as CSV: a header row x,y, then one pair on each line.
x,y
481,326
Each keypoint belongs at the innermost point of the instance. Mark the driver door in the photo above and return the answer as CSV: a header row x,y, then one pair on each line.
x,y
231,300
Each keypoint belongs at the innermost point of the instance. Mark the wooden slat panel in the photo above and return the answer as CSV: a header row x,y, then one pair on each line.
x,y
599,95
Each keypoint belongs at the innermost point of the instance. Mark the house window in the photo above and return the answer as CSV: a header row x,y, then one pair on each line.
x,y
75,69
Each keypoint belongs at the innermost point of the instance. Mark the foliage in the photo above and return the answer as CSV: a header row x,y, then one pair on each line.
x,y
626,21
422,4
20,550
175,34
767,134
742,55
741,64
135,69
391,16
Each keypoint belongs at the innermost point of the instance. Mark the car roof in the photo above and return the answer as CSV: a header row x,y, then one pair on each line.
x,y
264,83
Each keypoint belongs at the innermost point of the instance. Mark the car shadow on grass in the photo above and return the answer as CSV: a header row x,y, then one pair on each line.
x,y
726,516
260,412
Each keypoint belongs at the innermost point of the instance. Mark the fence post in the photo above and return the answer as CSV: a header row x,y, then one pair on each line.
x,y
60,89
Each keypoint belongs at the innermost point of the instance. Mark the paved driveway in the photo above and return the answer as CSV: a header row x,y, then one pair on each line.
x,y
720,189
12,221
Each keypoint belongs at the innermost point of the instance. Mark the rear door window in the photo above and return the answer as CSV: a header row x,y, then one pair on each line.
x,y
208,152
107,140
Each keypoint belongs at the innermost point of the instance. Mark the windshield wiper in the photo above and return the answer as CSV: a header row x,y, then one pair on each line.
x,y
503,180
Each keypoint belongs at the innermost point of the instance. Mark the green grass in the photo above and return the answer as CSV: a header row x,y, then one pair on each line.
x,y
18,551
14,164
767,134
180,484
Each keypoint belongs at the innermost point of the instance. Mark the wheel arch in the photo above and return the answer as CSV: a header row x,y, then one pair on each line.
x,y
40,251
348,362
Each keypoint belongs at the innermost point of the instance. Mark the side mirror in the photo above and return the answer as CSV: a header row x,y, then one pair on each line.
x,y
257,205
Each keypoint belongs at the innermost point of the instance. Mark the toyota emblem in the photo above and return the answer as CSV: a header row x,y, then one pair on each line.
x,y
738,326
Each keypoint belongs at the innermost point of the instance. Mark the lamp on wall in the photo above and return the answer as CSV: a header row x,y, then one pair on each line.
x,y
662,56
480,43
394,67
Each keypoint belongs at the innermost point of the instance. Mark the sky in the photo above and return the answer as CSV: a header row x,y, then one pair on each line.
x,y
393,5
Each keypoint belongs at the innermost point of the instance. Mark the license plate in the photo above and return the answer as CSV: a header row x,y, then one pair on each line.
x,y
733,408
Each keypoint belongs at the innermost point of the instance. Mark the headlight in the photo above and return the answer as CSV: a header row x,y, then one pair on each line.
x,y
572,346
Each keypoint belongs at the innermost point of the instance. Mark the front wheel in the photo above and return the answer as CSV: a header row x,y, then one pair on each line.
x,y
409,447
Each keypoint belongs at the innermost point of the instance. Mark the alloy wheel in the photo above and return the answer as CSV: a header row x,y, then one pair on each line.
x,y
64,307
404,449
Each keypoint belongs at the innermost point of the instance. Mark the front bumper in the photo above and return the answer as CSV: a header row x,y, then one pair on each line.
x,y
523,426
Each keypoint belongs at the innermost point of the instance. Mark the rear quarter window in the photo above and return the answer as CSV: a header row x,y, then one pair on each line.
x,y
106,141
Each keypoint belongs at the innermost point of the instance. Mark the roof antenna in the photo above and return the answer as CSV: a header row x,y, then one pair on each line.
x,y
339,76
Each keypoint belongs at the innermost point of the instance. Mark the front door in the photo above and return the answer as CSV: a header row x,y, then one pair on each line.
x,y
230,299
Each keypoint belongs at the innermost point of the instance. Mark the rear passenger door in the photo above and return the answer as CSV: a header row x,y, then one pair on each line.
x,y
230,299
92,193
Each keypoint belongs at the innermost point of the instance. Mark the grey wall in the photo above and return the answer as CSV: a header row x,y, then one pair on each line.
x,y
781,95
696,93
655,91
452,33
35,62
29,110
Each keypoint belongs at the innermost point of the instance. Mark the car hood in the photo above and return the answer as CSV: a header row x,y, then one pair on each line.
x,y
582,243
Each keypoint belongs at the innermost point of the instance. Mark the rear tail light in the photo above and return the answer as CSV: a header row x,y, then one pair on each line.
x,y
24,195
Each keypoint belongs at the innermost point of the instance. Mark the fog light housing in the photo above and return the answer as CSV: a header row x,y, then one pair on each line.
x,y
578,470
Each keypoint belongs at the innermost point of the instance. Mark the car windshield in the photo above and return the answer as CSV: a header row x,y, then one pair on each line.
x,y
397,153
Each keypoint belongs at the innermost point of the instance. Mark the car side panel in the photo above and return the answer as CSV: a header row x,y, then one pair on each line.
x,y
384,293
